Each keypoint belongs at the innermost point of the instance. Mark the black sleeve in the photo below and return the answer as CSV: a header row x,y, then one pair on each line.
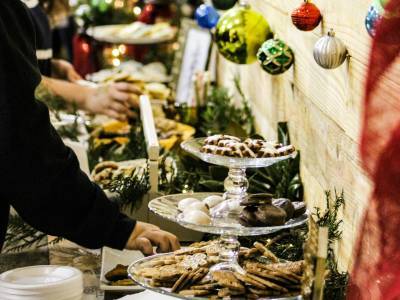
x,y
40,176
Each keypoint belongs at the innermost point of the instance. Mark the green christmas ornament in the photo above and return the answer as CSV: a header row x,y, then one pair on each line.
x,y
240,33
223,4
275,56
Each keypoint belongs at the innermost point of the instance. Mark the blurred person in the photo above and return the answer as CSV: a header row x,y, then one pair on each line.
x,y
59,76
41,178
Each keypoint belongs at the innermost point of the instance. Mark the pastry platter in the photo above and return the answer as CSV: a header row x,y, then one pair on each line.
x,y
194,147
163,273
167,207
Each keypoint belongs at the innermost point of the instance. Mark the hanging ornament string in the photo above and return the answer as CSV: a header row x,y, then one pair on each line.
x,y
376,271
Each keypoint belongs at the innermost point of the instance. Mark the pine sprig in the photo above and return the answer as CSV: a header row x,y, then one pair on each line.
x,y
21,236
131,189
336,282
329,218
222,115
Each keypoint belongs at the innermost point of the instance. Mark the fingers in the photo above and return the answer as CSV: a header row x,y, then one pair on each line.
x,y
115,115
175,245
127,87
120,108
144,245
74,76
165,241
118,95
126,92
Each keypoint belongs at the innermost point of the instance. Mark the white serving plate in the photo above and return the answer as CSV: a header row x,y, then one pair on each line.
x,y
112,34
111,258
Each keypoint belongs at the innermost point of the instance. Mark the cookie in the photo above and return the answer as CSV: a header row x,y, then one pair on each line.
x,y
227,279
257,199
226,292
299,209
270,215
209,286
247,280
118,273
286,150
178,284
194,293
266,252
286,205
268,283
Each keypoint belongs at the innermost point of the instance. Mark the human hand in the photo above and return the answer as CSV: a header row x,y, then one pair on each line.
x,y
145,236
114,100
64,70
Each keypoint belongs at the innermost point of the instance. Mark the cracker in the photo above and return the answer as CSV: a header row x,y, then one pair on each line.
x,y
226,292
227,279
209,286
249,281
268,283
295,267
269,276
194,293
259,292
179,282
188,251
266,252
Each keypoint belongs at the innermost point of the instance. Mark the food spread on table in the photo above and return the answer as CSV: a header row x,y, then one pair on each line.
x,y
132,71
189,272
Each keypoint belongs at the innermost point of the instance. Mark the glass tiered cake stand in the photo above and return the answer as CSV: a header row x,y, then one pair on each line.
x,y
226,223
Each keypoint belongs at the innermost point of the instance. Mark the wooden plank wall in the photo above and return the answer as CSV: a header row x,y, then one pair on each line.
x,y
323,108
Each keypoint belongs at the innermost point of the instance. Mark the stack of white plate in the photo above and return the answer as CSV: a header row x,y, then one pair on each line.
x,y
42,283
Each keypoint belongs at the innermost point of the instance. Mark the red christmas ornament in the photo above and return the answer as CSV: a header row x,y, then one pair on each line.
x,y
307,16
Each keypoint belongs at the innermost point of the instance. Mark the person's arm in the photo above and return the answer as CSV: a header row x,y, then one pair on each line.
x,y
63,69
41,177
114,100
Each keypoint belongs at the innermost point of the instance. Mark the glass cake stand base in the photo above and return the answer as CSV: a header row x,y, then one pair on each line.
x,y
228,255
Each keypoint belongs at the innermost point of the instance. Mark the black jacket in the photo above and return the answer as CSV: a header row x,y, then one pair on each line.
x,y
39,176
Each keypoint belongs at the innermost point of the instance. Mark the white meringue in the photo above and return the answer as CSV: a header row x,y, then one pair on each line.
x,y
186,202
213,200
197,217
196,206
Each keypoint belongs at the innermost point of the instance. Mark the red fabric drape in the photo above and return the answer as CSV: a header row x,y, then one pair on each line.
x,y
376,271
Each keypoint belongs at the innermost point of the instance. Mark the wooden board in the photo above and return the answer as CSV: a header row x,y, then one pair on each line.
x,y
323,107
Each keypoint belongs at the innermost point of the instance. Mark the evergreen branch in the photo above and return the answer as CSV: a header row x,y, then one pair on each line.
x,y
336,282
131,189
21,236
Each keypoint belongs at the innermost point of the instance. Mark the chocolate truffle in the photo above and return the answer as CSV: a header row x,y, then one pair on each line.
x,y
299,209
270,215
257,199
286,205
